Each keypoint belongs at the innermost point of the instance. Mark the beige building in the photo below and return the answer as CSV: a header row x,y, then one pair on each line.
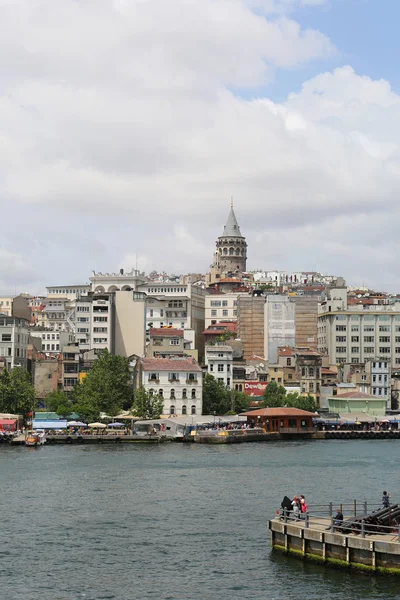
x,y
47,374
221,307
251,325
129,323
306,321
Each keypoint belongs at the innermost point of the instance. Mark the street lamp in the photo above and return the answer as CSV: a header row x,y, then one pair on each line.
x,y
214,418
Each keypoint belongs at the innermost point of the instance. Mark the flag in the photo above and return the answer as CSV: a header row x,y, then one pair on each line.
x,y
29,414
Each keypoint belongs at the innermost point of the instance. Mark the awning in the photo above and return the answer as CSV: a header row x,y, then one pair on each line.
x,y
61,424
7,421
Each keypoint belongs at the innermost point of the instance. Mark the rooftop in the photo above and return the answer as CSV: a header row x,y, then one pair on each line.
x,y
278,412
170,364
358,396
166,332
231,228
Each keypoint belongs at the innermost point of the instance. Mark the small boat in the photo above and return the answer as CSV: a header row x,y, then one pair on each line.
x,y
35,438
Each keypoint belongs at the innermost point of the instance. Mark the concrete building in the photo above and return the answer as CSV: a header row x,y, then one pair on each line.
x,y
230,255
70,367
251,323
356,334
115,321
47,375
180,306
279,327
169,342
220,307
6,305
112,282
308,373
306,321
219,362
357,404
52,342
177,380
14,340
70,292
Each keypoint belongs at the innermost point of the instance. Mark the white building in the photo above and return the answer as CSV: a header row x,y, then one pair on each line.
x,y
358,333
52,341
71,292
380,378
14,340
176,305
219,362
111,282
178,380
220,307
279,325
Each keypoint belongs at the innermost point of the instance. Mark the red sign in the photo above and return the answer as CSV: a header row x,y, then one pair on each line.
x,y
255,388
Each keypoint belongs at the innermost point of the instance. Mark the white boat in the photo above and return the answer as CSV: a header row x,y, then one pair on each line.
x,y
35,438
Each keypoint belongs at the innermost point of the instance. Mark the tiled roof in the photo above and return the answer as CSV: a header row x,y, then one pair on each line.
x,y
278,412
170,364
228,326
355,395
166,332
285,352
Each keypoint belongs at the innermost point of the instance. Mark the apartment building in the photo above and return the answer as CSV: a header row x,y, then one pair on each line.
x,y
14,340
279,325
358,333
70,292
251,323
52,341
6,305
70,367
220,307
219,362
180,306
115,321
169,342
177,380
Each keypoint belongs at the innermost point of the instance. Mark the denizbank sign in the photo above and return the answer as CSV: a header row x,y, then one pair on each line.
x,y
255,388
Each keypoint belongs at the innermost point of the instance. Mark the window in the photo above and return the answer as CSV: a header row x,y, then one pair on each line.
x,y
340,327
224,313
311,371
311,386
355,328
101,340
384,327
289,362
172,394
173,376
184,394
83,329
340,338
69,382
184,411
368,350
215,303
161,393
211,367
340,349
82,308
193,394
340,317
6,337
384,350
224,302
193,409
220,379
213,313
384,339
153,376
355,349
174,342
355,338
369,338
99,330
172,409
220,368
99,319
369,328
192,377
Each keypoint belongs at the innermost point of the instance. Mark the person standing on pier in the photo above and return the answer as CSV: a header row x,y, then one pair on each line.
x,y
386,499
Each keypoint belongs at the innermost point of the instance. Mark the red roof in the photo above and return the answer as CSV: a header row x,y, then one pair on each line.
x,y
285,351
230,326
326,371
278,412
166,332
355,395
170,364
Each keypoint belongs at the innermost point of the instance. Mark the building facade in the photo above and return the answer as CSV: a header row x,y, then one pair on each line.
x,y
177,380
279,326
219,363
251,322
220,307
14,340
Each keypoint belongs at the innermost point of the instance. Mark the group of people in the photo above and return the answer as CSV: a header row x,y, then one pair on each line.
x,y
296,507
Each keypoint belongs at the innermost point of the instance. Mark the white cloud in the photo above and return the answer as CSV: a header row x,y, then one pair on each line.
x,y
153,110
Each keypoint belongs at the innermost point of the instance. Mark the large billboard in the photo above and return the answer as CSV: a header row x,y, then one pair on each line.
x,y
255,388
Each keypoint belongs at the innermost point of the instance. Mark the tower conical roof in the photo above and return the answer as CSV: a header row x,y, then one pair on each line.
x,y
231,228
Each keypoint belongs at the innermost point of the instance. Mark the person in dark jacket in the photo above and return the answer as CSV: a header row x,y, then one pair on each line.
x,y
386,499
337,520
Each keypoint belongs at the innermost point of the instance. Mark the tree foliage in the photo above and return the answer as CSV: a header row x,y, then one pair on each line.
x,y
17,394
106,388
218,399
276,396
146,405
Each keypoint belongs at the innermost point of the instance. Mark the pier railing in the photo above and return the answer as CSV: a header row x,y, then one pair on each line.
x,y
359,518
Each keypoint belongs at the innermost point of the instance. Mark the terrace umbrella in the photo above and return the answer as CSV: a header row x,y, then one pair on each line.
x,y
76,424
116,425
97,425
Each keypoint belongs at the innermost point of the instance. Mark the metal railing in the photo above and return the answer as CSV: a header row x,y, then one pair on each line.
x,y
359,523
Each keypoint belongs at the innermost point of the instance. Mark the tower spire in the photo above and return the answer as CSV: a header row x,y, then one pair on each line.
x,y
231,201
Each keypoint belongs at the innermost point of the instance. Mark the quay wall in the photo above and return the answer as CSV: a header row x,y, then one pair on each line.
x,y
336,550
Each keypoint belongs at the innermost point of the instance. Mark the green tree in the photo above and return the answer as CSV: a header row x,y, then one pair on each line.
x,y
216,397
239,402
17,394
106,387
146,405
53,400
274,395
295,400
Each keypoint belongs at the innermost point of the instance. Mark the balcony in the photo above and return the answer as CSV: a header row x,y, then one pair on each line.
x,y
192,381
171,380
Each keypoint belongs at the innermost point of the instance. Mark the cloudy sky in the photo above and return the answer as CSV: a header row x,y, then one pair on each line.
x,y
127,125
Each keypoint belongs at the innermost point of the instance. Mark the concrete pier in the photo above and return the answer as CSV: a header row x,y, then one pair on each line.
x,y
375,553
95,439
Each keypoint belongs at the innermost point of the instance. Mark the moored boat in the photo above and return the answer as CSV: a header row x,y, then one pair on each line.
x,y
35,438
